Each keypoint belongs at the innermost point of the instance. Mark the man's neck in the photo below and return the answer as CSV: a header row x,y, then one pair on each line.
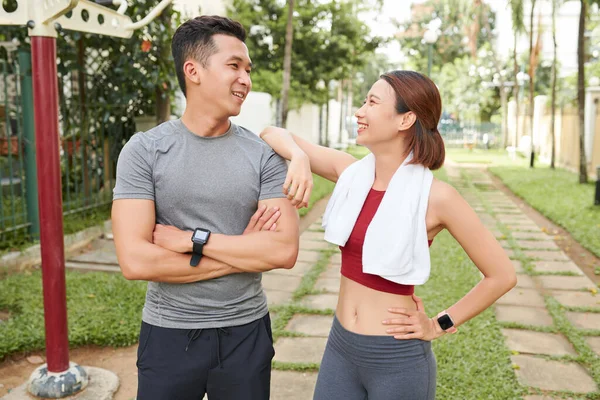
x,y
202,124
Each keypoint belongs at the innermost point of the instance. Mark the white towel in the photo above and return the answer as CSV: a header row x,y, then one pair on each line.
x,y
396,246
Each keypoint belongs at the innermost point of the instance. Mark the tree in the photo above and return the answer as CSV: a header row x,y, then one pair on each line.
x,y
555,5
287,63
583,177
331,42
461,19
532,65
518,28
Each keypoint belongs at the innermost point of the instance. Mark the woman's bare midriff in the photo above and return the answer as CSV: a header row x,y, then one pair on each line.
x,y
361,309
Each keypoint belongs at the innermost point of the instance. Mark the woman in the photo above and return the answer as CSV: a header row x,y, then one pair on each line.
x,y
384,211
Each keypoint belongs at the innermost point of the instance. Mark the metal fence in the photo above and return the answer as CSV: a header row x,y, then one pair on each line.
x,y
91,137
485,135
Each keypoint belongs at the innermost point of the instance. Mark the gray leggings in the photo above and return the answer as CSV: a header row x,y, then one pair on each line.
x,y
361,367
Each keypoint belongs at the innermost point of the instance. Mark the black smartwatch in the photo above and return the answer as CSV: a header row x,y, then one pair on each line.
x,y
446,322
199,239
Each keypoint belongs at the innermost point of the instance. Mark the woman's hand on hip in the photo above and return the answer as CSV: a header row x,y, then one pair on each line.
x,y
411,324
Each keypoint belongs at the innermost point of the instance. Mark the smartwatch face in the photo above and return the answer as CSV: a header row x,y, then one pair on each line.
x,y
445,322
200,235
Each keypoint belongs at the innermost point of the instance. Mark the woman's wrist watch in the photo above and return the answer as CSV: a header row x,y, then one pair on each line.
x,y
446,322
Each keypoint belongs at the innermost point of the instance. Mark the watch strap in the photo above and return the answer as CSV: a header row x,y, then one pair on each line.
x,y
452,329
196,253
195,259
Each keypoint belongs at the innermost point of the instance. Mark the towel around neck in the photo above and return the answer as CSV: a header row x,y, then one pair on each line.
x,y
395,246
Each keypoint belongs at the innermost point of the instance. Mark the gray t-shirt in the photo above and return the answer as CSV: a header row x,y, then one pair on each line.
x,y
212,183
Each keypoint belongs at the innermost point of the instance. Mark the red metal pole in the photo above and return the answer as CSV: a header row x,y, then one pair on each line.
x,y
45,100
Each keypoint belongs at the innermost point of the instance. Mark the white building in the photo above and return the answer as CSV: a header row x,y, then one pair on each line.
x,y
193,8
567,23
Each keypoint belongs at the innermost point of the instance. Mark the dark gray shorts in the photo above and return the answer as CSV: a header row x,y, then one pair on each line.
x,y
226,363
359,367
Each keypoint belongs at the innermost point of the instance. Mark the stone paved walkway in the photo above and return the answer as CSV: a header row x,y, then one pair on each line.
x,y
551,320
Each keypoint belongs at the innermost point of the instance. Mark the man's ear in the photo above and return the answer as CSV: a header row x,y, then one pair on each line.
x,y
406,121
191,70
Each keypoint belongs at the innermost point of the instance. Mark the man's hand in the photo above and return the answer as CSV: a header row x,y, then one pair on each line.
x,y
263,220
179,241
172,238
299,181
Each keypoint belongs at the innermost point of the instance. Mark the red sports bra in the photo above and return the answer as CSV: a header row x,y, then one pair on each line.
x,y
352,251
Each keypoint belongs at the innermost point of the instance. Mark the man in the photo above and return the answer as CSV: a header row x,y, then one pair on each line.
x,y
205,323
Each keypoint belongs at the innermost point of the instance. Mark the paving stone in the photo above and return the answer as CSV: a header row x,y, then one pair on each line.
x,y
576,298
522,297
284,283
315,228
103,251
552,375
546,255
306,244
518,266
490,224
336,258
313,325
525,281
515,219
510,253
275,297
300,349
523,228
332,271
584,320
308,256
497,233
529,235
505,244
537,244
292,385
320,301
83,266
523,315
594,343
331,285
310,235
557,266
566,282
525,341
299,269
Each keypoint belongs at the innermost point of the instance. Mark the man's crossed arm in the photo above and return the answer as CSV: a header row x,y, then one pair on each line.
x,y
158,253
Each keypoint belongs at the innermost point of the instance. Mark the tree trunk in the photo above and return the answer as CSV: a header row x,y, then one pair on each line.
x,y
553,88
84,123
531,85
516,89
504,107
583,178
163,104
326,141
162,90
287,63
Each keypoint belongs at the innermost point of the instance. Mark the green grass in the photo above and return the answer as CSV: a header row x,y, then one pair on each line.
x,y
473,363
585,356
558,196
321,188
103,309
20,239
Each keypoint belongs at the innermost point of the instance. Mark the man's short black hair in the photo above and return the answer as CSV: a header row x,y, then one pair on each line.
x,y
194,39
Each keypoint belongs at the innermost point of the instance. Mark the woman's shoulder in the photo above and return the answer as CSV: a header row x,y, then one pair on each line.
x,y
442,194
